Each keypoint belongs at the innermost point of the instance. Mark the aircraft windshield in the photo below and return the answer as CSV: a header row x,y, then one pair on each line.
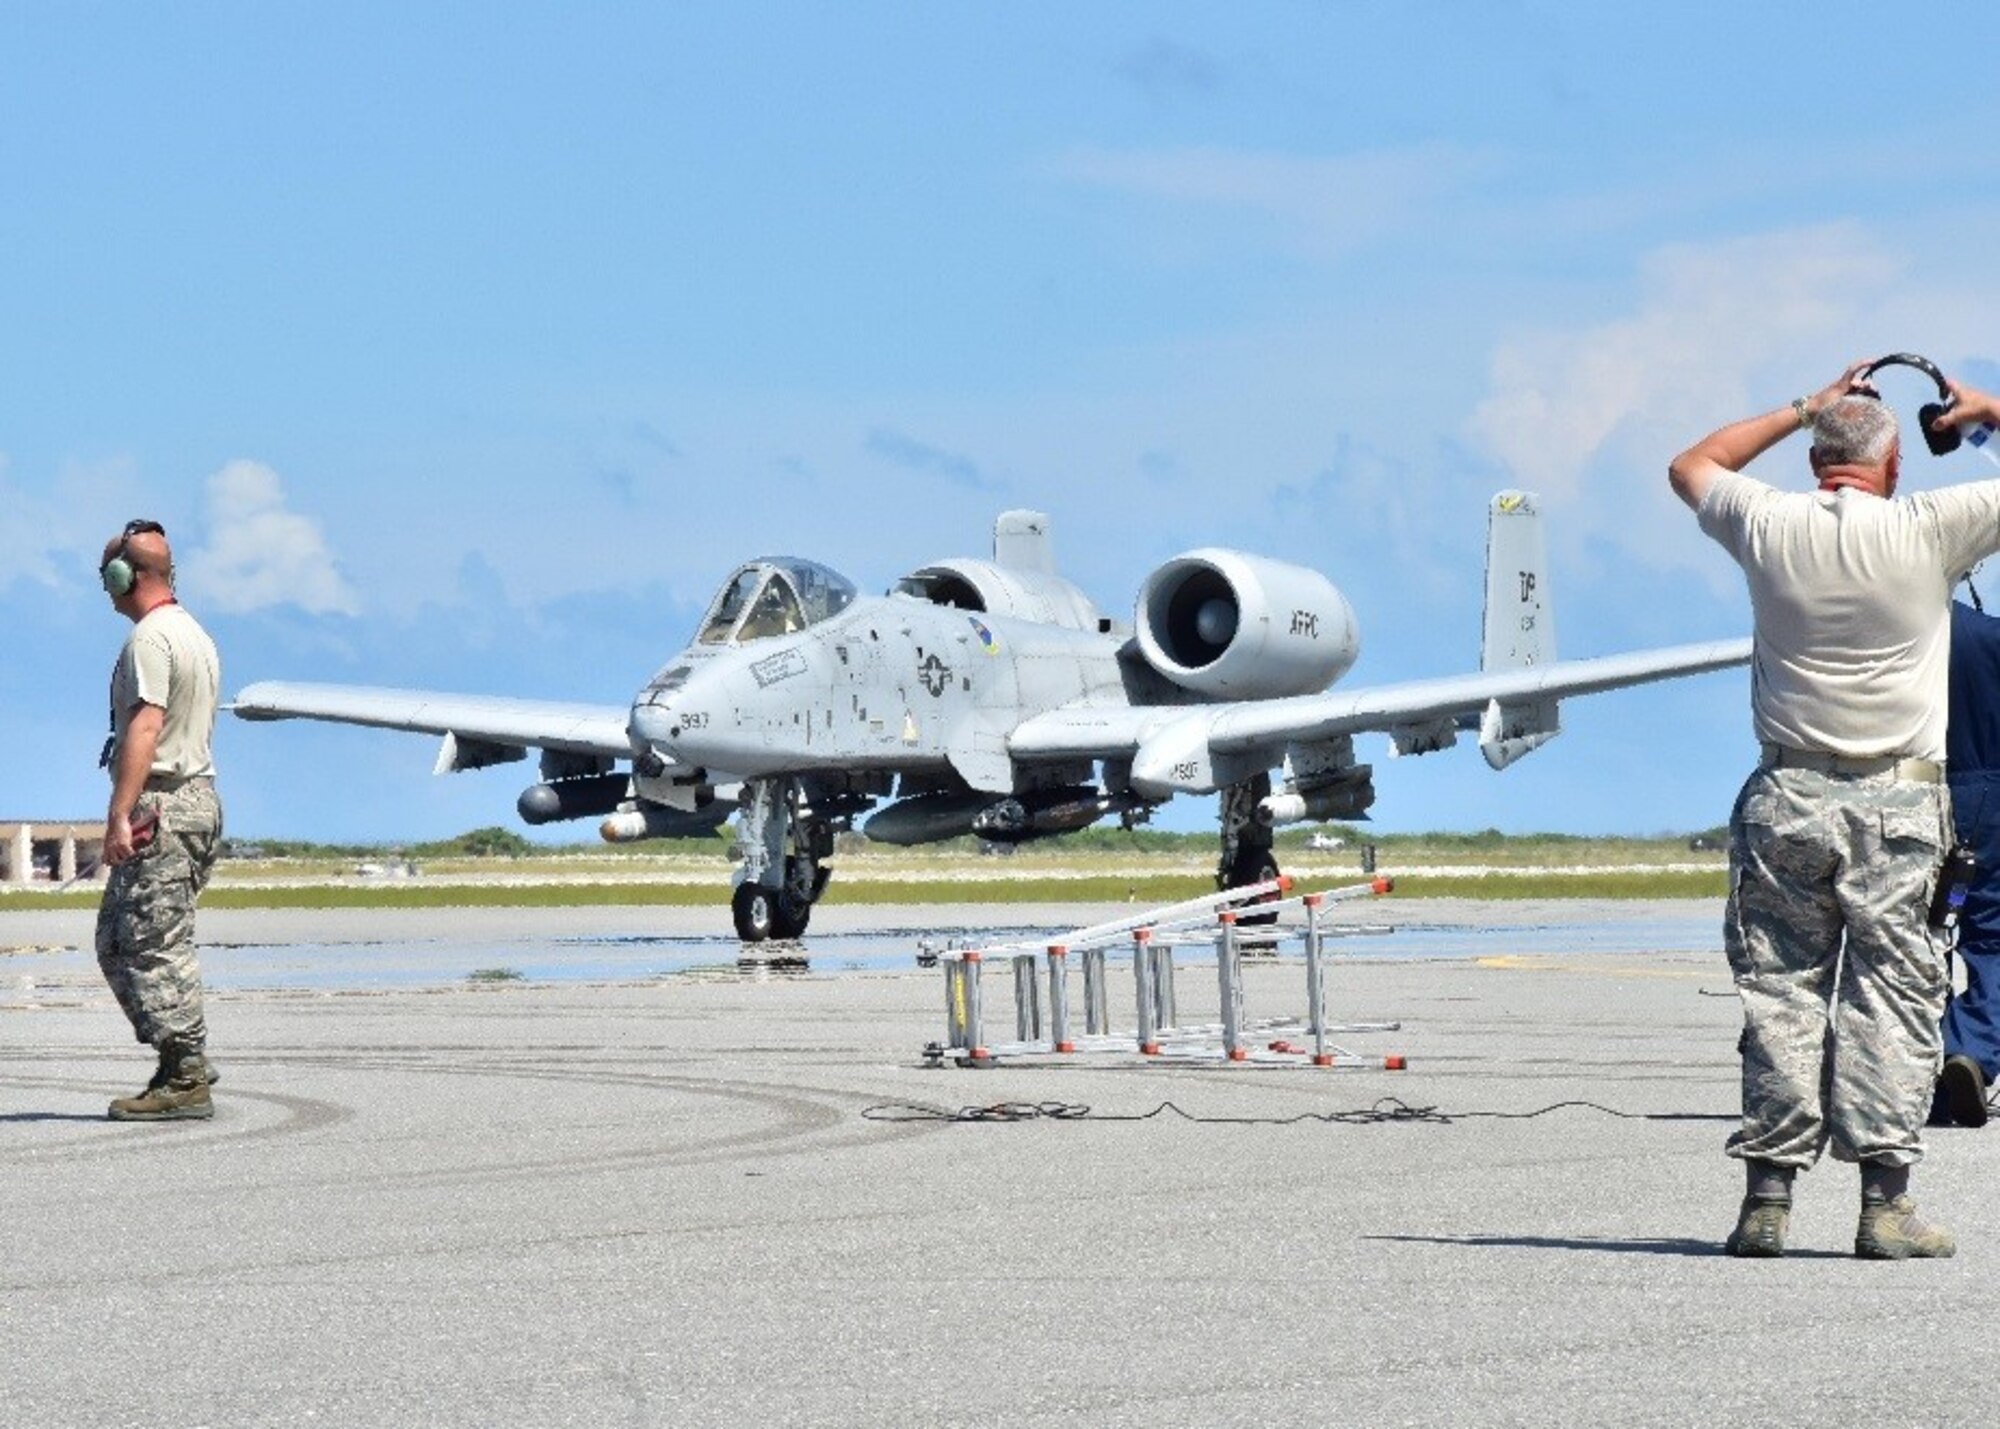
x,y
774,597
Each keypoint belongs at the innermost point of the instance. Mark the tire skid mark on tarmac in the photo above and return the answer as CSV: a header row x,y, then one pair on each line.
x,y
797,1119
109,1138
803,1115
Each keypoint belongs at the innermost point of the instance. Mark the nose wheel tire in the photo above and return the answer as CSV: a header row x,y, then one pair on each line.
x,y
755,909
764,912
789,917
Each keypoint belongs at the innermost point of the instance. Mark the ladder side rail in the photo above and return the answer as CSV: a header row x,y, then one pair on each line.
x,y
1058,957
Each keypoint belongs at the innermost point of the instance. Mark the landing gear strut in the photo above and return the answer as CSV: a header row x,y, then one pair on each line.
x,y
1247,856
782,843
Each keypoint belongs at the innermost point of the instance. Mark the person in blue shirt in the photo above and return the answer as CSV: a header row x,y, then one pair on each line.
x,y
1971,1023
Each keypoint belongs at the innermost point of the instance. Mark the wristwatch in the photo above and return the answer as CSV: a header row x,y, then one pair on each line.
x,y
1802,412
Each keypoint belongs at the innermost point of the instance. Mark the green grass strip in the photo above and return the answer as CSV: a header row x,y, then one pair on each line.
x,y
1501,887
1110,888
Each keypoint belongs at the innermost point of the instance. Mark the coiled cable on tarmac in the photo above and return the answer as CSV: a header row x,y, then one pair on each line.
x,y
1384,1110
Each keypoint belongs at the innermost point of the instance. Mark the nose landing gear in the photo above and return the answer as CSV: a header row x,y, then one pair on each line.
x,y
782,843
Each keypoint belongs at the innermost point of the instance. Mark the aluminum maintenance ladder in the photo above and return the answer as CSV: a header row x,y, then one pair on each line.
x,y
1042,1024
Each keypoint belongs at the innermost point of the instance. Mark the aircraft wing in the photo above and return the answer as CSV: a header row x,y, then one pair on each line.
x,y
1197,748
478,728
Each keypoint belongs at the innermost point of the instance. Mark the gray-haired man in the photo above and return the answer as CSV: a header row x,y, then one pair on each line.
x,y
1837,837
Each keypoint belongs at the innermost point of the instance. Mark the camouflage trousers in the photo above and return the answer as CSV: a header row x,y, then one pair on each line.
x,y
145,923
1842,979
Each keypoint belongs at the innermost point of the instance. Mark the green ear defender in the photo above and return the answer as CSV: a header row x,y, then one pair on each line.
x,y
118,574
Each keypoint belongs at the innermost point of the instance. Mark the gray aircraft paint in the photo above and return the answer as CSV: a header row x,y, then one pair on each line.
x,y
810,704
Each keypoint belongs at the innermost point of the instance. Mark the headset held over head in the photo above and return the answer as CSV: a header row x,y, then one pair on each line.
x,y
1940,442
118,573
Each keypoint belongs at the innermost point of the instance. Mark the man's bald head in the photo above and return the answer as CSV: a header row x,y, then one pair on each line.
x,y
139,560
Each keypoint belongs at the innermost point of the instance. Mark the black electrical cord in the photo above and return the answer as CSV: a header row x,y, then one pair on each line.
x,y
1387,1109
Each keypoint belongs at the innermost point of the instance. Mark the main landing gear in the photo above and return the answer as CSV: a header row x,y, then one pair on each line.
x,y
782,843
1247,855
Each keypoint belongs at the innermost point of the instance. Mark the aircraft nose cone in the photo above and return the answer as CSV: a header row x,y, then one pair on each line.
x,y
654,724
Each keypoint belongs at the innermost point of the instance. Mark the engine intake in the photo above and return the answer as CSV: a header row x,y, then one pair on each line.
x,y
1237,626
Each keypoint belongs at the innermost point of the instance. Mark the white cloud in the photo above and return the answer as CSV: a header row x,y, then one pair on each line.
x,y
1590,416
259,553
54,538
24,533
1322,206
1709,321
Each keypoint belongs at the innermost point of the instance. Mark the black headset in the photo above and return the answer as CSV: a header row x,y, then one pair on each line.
x,y
1940,443
117,573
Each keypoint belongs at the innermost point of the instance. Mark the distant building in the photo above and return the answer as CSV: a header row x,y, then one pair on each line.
x,y
48,851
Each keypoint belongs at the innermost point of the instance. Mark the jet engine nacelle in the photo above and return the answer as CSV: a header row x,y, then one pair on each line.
x,y
1238,626
983,586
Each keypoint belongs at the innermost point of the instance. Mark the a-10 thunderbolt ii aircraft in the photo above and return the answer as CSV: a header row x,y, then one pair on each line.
x,y
991,698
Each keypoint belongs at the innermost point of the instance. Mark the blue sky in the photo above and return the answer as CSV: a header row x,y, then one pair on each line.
x,y
468,346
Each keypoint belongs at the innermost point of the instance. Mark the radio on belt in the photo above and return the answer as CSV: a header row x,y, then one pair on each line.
x,y
1954,883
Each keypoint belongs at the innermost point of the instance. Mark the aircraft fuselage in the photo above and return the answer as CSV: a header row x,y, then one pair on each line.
x,y
890,683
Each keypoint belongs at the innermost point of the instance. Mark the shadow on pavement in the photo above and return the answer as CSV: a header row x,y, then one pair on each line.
x,y
49,1116
1678,1245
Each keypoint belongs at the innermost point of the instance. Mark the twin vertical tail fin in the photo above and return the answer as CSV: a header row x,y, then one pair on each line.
x,y
1519,629
1021,542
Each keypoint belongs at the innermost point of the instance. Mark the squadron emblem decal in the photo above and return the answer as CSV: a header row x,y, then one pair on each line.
x,y
986,641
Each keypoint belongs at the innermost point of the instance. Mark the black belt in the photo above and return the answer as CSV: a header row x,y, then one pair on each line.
x,y
168,783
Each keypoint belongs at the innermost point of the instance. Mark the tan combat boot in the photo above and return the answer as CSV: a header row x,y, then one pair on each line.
x,y
211,1073
177,1092
1892,1230
1760,1227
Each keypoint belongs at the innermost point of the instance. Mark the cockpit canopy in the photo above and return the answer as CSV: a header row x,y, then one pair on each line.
x,y
775,596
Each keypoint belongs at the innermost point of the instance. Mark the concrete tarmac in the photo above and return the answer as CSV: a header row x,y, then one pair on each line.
x,y
670,1201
